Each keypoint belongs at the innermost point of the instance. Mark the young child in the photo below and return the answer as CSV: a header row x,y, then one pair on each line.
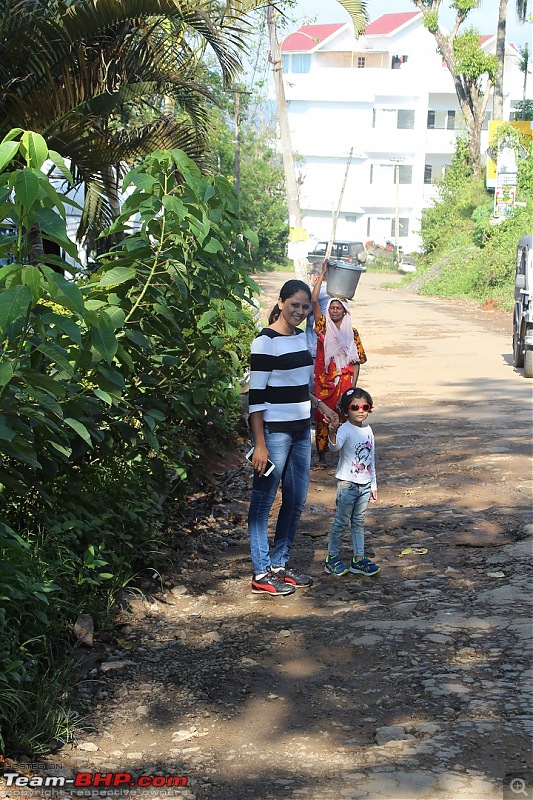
x,y
357,485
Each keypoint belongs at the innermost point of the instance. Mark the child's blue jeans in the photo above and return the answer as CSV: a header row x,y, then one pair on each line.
x,y
352,502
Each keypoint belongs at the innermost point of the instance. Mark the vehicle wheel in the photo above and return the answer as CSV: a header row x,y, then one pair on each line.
x,y
528,364
518,355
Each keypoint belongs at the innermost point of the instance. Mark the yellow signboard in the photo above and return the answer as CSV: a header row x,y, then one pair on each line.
x,y
523,126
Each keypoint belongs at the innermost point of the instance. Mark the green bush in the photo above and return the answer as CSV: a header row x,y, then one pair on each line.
x,y
478,256
110,387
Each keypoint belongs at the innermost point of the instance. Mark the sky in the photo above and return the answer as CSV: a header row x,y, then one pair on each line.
x,y
484,19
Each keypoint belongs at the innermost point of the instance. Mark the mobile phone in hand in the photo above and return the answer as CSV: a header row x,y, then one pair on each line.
x,y
269,465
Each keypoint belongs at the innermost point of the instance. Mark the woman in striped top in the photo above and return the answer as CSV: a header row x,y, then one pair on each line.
x,y
280,421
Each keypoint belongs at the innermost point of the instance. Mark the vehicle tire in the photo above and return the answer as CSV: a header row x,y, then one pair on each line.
x,y
528,364
518,355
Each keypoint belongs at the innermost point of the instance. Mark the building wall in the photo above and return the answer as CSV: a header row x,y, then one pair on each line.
x,y
401,125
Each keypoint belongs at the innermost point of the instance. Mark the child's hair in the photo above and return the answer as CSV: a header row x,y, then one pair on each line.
x,y
288,289
354,394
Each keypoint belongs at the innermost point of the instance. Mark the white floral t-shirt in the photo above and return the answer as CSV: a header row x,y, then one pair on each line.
x,y
355,446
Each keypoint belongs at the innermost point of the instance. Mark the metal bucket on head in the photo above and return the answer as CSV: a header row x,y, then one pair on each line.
x,y
343,279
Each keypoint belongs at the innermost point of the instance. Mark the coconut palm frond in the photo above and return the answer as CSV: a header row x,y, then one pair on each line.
x,y
358,12
131,146
521,10
77,73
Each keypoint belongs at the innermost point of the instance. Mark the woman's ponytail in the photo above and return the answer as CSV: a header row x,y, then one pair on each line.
x,y
274,314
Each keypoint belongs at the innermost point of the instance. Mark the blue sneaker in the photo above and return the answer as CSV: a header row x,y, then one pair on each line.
x,y
334,566
364,567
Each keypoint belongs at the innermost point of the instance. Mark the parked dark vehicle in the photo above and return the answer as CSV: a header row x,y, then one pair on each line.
x,y
342,250
523,307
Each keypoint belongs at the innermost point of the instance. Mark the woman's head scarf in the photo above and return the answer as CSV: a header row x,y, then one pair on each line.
x,y
339,342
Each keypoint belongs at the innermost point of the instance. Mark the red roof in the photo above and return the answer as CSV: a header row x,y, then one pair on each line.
x,y
308,37
485,38
388,23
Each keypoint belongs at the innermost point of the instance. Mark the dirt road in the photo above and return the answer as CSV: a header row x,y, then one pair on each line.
x,y
414,684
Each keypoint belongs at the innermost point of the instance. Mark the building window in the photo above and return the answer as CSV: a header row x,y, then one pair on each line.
x,y
301,62
431,120
350,217
397,61
405,173
405,119
371,173
403,227
285,63
450,120
361,61
428,173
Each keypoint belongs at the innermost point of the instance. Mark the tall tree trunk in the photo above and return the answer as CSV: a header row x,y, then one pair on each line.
x,y
497,105
291,185
472,98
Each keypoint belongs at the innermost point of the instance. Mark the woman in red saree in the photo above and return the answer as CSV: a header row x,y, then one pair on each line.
x,y
338,357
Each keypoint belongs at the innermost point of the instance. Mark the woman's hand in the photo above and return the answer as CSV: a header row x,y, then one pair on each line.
x,y
330,417
259,458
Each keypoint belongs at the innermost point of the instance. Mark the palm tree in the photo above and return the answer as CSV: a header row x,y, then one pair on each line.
x,y
521,13
90,76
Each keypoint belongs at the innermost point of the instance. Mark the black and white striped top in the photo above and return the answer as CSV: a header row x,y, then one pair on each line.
x,y
280,369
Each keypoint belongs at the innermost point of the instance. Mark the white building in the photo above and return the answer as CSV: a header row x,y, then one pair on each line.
x,y
388,96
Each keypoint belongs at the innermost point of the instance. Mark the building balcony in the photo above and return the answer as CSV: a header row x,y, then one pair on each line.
x,y
357,85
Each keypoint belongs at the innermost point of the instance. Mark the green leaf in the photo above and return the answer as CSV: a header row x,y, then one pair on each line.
x,y
59,162
14,303
116,315
66,324
65,451
80,429
235,362
175,205
116,275
64,292
213,246
31,276
103,337
27,188
6,431
137,338
7,152
6,373
55,227
111,375
36,149
206,319
57,355
103,396
139,179
45,382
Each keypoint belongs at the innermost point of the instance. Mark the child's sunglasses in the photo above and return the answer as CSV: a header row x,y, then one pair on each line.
x,y
355,407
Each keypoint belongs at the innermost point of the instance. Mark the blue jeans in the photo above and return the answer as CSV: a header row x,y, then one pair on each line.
x,y
352,502
291,453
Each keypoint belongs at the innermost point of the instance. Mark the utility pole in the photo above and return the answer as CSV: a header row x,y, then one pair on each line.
x,y
291,186
397,161
237,122
237,163
338,211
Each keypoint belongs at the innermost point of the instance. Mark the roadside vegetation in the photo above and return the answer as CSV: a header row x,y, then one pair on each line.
x,y
113,385
465,256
